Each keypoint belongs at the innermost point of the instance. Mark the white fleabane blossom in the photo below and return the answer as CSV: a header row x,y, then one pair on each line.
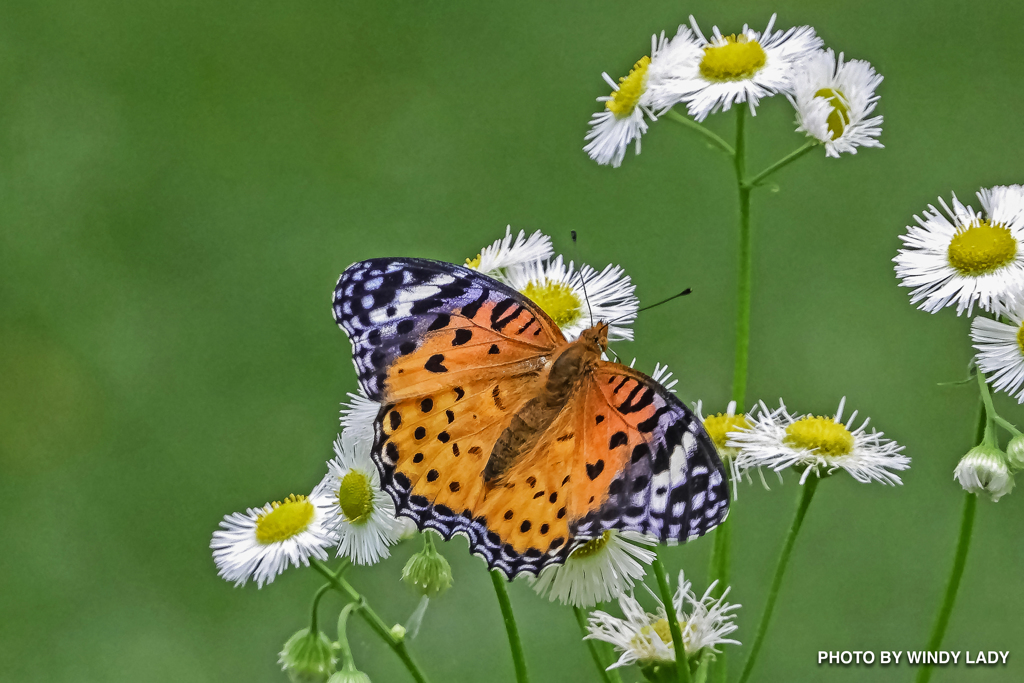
x,y
599,570
966,258
361,515
505,253
721,427
563,293
778,440
833,100
643,638
637,97
1000,348
358,416
743,67
262,542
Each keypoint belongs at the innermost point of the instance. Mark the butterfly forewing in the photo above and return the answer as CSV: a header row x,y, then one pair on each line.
x,y
418,326
655,463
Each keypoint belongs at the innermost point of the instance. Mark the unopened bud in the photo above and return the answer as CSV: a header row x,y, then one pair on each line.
x,y
308,657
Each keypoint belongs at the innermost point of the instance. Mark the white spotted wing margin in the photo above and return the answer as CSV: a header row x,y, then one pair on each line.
x,y
674,487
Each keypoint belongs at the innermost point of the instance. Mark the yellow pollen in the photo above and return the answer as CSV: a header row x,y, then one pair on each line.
x,y
839,119
631,87
355,497
822,434
592,547
473,262
981,248
1020,338
718,427
739,59
557,300
286,519
662,630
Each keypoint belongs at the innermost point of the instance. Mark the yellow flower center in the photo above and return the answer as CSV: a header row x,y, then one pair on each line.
x,y
739,59
661,629
981,248
1020,338
286,519
631,87
822,434
557,300
718,427
839,119
592,547
473,263
355,497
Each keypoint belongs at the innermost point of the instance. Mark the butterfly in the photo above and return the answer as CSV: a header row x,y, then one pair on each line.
x,y
494,426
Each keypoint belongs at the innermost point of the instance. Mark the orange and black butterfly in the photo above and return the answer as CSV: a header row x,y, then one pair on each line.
x,y
494,426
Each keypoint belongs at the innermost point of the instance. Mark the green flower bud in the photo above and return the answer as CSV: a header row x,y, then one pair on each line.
x,y
398,632
427,571
1015,452
349,676
985,469
308,657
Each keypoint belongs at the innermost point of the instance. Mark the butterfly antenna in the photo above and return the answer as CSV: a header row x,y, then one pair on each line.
x,y
649,307
583,280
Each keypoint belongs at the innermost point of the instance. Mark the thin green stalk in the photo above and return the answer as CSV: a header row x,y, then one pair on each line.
x,y
498,579
739,376
348,662
719,570
702,669
784,161
313,627
682,663
693,125
376,623
963,544
780,570
606,676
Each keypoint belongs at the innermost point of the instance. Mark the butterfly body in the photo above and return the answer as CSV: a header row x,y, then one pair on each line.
x,y
494,426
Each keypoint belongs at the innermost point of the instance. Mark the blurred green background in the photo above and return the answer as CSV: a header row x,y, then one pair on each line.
x,y
182,182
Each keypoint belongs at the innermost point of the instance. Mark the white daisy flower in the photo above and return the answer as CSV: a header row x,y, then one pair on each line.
x,y
663,376
504,253
636,98
833,100
727,70
563,293
968,258
984,470
1001,350
597,571
721,427
263,542
644,638
778,439
358,416
356,509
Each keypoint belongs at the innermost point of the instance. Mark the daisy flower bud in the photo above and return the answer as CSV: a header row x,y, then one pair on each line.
x,y
985,470
353,676
428,572
308,657
1015,452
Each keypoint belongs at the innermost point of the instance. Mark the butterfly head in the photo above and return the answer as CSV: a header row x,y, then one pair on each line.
x,y
595,338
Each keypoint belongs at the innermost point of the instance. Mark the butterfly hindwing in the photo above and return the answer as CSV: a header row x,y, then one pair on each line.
x,y
435,324
666,479
432,450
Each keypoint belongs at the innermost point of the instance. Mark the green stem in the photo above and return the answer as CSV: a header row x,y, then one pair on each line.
x,y
780,570
719,570
348,661
682,663
313,628
595,654
988,436
702,669
376,623
693,125
739,376
498,579
784,161
963,544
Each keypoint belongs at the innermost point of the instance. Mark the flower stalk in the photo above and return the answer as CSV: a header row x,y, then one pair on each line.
x,y
515,644
678,646
780,570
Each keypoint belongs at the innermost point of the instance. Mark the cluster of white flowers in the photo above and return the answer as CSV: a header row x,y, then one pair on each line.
x,y
974,260
833,98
